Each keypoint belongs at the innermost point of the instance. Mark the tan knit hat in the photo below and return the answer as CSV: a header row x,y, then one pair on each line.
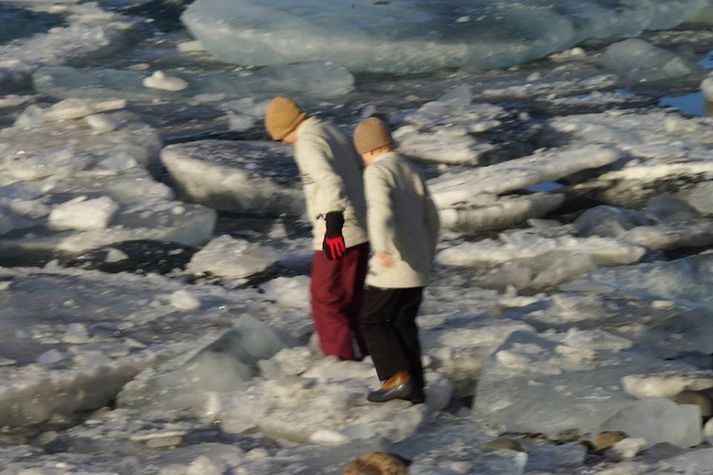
x,y
371,134
283,115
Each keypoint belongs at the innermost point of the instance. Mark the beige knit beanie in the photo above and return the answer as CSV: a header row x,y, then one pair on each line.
x,y
283,115
371,134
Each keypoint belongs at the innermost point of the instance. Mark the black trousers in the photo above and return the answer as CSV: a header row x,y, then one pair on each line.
x,y
388,325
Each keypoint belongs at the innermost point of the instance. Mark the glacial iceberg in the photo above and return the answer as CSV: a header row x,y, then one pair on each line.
x,y
411,36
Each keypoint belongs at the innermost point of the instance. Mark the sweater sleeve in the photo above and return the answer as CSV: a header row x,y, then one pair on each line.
x,y
316,162
380,211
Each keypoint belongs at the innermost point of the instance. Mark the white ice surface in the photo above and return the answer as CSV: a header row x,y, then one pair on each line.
x,y
558,382
667,384
251,177
302,398
658,420
639,61
308,80
466,186
664,148
707,88
62,172
416,36
684,281
493,213
468,199
529,245
199,384
77,337
442,130
232,258
91,32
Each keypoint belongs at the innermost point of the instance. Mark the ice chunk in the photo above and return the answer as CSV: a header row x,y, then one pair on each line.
x,y
83,214
638,61
529,245
528,259
309,80
666,237
493,213
707,88
444,145
666,384
700,197
77,334
71,109
257,178
610,221
211,375
185,301
289,291
683,281
407,36
553,383
658,420
467,202
103,337
232,258
461,354
451,189
666,223
91,32
695,461
441,131
159,80
112,197
328,396
667,152
50,357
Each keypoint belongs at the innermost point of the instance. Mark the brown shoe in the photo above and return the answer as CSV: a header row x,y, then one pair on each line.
x,y
398,386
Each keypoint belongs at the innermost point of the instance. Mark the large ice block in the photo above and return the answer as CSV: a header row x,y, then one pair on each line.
x,y
318,79
251,177
558,382
409,36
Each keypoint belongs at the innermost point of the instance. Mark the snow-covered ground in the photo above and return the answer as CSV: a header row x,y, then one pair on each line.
x,y
154,294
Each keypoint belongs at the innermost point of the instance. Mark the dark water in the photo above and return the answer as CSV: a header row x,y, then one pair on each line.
x,y
20,23
693,103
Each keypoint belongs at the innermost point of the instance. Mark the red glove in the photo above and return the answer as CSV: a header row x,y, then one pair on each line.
x,y
333,243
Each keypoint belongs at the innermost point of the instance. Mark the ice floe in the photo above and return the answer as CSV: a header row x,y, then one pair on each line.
x,y
413,36
76,338
666,152
468,200
307,80
232,258
558,382
256,178
90,33
72,186
638,61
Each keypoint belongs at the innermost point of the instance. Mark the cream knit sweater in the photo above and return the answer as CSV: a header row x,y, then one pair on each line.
x,y
402,221
331,174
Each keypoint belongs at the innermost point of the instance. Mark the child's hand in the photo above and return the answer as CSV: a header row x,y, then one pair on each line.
x,y
385,259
